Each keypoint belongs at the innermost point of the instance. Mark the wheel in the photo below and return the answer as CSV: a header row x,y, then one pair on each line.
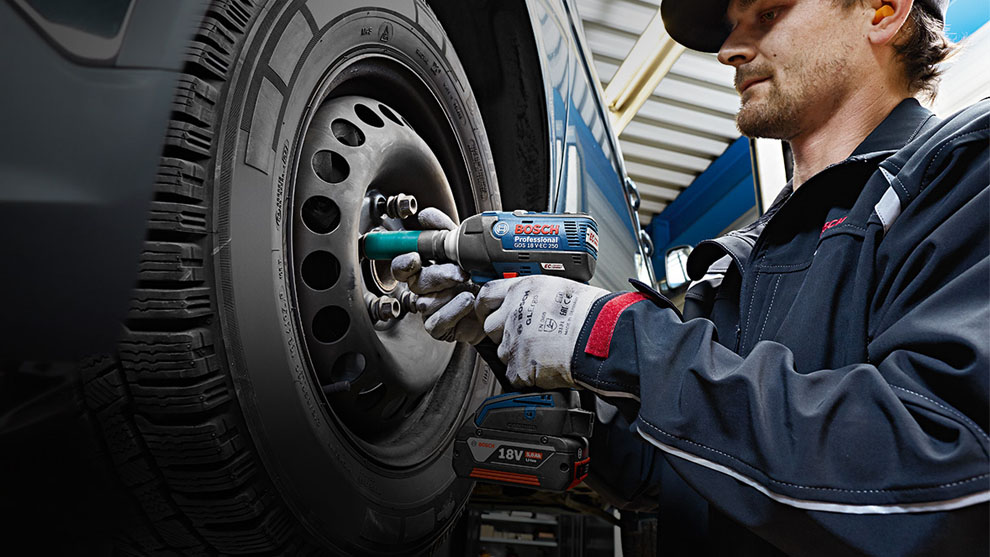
x,y
273,393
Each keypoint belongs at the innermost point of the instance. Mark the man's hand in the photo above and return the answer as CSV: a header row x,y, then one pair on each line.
x,y
445,292
536,321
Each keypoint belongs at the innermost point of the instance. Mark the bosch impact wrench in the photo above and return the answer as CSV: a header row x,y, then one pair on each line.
x,y
498,244
536,440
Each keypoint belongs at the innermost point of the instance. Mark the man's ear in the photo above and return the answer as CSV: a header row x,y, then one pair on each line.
x,y
888,18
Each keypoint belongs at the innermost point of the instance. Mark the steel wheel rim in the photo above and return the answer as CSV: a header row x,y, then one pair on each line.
x,y
406,428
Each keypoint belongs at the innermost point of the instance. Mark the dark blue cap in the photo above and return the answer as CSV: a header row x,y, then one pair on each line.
x,y
701,25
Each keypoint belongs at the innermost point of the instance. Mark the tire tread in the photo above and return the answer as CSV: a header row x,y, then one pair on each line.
x,y
164,403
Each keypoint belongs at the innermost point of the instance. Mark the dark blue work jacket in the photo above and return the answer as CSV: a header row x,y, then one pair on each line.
x,y
827,388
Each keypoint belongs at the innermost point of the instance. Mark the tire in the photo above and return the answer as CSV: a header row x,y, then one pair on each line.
x,y
255,407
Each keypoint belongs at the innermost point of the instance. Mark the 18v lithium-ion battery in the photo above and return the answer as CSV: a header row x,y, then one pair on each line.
x,y
538,441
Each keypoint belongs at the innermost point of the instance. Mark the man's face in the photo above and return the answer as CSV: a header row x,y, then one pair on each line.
x,y
795,62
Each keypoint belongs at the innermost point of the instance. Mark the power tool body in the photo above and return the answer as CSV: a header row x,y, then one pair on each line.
x,y
534,439
499,244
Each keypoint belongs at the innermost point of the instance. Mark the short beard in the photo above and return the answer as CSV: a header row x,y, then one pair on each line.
x,y
780,114
775,117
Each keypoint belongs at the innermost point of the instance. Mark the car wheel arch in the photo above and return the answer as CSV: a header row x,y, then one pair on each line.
x,y
510,89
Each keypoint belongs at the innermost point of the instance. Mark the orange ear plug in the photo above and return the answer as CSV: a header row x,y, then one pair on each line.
x,y
883,12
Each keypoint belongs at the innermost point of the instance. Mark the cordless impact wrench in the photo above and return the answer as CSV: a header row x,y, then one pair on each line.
x,y
535,439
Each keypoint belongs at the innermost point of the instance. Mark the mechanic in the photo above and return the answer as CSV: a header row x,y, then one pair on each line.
x,y
826,389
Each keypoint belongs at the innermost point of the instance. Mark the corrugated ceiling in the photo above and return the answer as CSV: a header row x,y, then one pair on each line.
x,y
689,119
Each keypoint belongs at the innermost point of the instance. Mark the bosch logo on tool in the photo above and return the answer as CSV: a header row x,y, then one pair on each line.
x,y
592,239
546,229
501,228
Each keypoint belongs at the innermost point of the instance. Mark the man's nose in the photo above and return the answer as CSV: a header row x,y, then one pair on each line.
x,y
737,49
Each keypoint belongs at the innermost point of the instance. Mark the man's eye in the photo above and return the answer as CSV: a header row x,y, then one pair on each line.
x,y
768,16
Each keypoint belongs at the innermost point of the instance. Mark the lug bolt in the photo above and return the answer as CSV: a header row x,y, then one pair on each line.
x,y
383,308
401,206
407,300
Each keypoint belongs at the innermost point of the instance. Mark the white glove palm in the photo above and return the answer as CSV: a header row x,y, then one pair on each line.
x,y
536,321
445,292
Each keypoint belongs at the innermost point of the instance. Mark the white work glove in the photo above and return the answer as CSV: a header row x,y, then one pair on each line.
x,y
445,292
536,321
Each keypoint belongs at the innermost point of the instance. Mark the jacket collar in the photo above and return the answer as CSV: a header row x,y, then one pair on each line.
x,y
903,124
